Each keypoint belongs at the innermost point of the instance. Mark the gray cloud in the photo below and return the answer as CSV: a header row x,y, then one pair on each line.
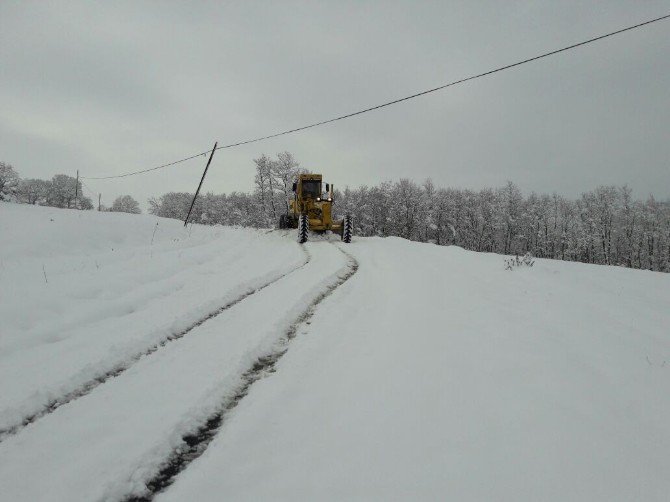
x,y
111,87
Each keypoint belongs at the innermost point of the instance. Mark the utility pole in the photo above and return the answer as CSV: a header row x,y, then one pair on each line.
x,y
99,195
200,185
76,191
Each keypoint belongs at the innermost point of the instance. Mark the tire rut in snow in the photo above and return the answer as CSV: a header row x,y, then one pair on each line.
x,y
196,442
117,370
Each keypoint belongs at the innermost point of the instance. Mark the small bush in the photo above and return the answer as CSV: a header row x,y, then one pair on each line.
x,y
526,261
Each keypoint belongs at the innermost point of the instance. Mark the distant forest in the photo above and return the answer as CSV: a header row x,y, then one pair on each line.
x,y
61,191
603,226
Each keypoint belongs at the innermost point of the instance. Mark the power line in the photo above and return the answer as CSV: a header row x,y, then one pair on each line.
x,y
146,170
395,101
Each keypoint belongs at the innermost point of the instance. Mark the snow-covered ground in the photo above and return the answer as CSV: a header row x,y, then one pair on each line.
x,y
84,293
432,373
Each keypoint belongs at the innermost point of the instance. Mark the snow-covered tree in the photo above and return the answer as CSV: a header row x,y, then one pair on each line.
x,y
175,205
265,189
405,209
63,191
9,181
125,204
285,171
33,191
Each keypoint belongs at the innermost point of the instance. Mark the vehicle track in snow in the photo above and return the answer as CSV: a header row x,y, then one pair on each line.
x,y
87,387
196,442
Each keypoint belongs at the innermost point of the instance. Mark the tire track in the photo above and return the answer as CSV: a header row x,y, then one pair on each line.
x,y
196,442
87,387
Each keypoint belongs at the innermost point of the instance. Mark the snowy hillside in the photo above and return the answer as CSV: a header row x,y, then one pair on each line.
x,y
141,358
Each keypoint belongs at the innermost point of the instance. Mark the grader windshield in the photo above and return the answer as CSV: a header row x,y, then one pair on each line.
x,y
311,188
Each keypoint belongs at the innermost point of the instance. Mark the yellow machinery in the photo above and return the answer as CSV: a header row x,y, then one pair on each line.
x,y
311,210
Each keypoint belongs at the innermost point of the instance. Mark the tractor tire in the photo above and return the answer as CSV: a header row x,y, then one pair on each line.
x,y
347,229
303,228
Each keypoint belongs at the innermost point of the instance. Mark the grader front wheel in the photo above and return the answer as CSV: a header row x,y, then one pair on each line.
x,y
303,228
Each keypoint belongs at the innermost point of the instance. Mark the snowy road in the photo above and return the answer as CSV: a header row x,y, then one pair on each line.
x,y
109,443
413,371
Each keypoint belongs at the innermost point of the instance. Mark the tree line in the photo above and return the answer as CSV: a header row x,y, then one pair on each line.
x,y
61,191
603,226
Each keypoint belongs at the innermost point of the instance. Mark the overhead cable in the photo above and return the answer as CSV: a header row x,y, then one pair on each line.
x,y
389,103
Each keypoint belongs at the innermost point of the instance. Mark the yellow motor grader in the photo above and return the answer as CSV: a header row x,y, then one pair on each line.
x,y
311,210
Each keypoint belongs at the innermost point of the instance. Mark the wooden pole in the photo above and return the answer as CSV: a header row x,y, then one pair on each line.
x,y
211,155
99,196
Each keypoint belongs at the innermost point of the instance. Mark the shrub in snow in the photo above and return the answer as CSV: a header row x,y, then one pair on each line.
x,y
526,261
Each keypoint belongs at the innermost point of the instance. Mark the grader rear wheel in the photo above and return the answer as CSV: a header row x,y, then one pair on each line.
x,y
347,229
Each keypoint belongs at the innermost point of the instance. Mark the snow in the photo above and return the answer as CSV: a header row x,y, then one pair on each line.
x,y
111,293
431,373
436,374
113,439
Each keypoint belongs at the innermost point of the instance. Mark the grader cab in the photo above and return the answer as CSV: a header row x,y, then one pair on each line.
x,y
311,210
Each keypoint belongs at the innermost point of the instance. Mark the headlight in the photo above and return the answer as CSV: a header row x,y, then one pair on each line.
x,y
330,199
318,199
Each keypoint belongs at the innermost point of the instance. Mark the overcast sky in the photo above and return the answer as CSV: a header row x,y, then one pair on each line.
x,y
111,87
